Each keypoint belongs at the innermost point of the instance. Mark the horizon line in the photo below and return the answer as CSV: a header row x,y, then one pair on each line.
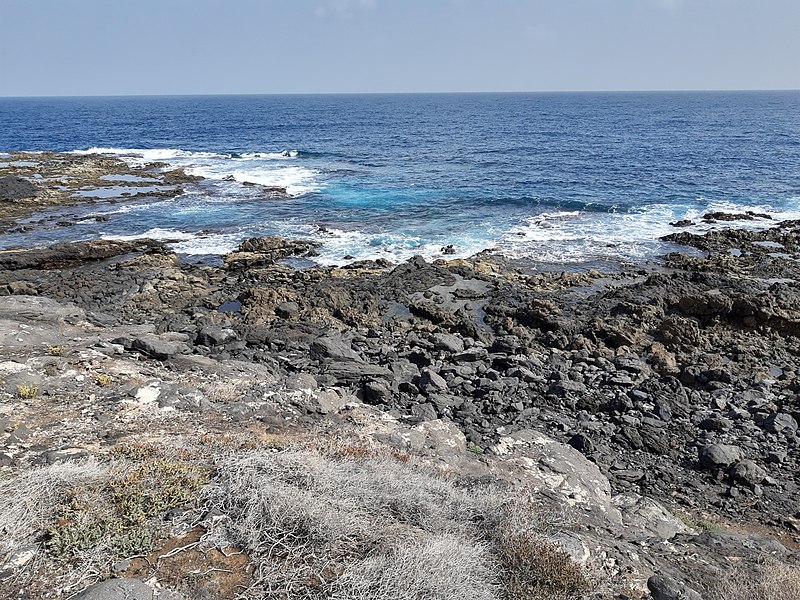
x,y
414,93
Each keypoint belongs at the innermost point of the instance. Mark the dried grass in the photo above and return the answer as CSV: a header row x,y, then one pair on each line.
x,y
442,567
347,526
31,500
770,582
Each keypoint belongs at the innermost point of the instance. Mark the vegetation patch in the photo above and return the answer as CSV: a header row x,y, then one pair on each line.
x,y
55,350
103,379
357,524
699,523
27,391
119,515
770,582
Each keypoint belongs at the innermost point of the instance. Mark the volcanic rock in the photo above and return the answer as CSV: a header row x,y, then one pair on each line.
x,y
719,456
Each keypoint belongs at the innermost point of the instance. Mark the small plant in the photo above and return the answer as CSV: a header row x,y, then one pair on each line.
x,y
699,523
474,448
103,380
55,350
135,451
27,391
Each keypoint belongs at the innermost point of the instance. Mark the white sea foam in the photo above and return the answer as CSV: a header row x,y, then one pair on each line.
x,y
150,154
576,236
394,247
188,243
157,233
209,244
260,168
297,180
271,155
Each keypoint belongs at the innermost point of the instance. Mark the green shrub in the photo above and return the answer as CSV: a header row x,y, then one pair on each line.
x,y
116,515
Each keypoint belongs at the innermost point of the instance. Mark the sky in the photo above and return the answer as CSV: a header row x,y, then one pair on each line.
x,y
125,47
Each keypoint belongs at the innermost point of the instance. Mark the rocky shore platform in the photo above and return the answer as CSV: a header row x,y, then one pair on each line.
x,y
254,430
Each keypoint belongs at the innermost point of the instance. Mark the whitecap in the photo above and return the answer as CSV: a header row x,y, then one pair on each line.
x,y
261,168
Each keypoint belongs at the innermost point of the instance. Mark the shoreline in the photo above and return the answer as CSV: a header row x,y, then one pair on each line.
x,y
671,386
69,191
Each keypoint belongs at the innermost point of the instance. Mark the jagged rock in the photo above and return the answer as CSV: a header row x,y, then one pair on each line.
x,y
683,223
664,587
215,336
680,331
719,456
706,305
334,348
350,372
565,387
263,251
158,348
746,472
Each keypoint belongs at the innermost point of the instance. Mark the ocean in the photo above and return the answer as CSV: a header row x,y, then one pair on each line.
x,y
581,179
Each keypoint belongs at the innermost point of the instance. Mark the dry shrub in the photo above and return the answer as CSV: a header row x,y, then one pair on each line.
x,y
536,568
91,513
308,518
533,567
770,582
225,391
441,567
32,499
359,525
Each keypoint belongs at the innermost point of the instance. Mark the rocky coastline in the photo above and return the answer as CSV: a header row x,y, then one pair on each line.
x,y
657,411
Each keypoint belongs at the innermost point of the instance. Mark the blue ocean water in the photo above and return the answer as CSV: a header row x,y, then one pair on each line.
x,y
561,178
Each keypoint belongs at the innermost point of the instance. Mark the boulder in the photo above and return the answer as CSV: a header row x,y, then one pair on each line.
x,y
126,589
430,381
543,464
664,587
333,348
718,456
447,342
646,518
301,381
748,473
780,423
287,310
157,347
215,336
262,251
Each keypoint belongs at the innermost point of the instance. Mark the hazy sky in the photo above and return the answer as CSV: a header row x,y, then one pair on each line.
x,y
89,47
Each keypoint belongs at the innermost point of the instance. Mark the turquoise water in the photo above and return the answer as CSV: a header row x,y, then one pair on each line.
x,y
561,178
